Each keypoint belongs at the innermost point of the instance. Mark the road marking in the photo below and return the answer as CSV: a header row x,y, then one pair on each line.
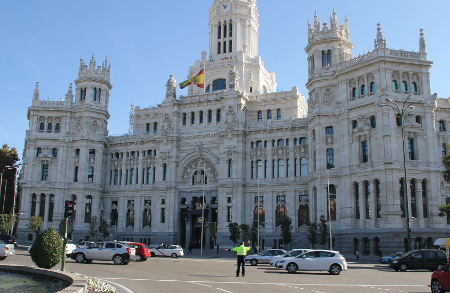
x,y
121,286
224,290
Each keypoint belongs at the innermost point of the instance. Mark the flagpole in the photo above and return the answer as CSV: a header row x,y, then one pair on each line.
x,y
204,75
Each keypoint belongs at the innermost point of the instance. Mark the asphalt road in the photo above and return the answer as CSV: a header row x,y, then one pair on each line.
x,y
195,274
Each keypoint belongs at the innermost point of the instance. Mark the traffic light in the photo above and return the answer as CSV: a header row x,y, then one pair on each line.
x,y
68,210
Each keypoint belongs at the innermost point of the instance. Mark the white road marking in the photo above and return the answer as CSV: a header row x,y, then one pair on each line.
x,y
121,286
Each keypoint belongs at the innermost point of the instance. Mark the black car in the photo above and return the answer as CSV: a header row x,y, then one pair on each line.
x,y
9,239
428,259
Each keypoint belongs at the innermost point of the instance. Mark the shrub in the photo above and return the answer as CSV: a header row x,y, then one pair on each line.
x,y
47,250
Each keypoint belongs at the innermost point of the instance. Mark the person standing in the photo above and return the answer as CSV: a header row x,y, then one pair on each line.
x,y
189,248
357,255
241,253
217,248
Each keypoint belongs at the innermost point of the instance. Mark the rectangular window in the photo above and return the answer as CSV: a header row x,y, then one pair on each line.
x,y
330,158
218,117
378,195
357,212
329,130
230,45
332,203
287,167
75,174
281,169
116,176
210,116
132,176
230,168
51,206
91,174
44,176
424,199
218,47
364,151
92,152
273,169
411,152
303,167
224,46
88,209
42,206
163,215
201,117
164,171
149,175
296,168
368,199
265,168
413,198
229,215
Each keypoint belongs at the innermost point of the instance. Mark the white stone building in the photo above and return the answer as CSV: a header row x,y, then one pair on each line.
x,y
149,184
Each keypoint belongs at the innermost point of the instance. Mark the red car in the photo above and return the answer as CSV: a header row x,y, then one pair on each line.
x,y
142,250
440,280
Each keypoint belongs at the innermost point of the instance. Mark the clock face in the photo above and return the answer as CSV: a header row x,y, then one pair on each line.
x,y
225,7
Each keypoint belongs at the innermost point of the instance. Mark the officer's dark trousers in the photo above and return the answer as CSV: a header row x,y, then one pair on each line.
x,y
240,261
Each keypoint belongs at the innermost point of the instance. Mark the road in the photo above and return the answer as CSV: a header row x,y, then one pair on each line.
x,y
195,274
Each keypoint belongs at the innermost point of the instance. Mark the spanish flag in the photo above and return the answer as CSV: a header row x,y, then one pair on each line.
x,y
198,80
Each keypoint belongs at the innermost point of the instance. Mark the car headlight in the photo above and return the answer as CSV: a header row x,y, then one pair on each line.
x,y
395,261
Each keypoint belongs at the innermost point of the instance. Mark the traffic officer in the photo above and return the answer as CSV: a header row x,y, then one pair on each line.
x,y
241,253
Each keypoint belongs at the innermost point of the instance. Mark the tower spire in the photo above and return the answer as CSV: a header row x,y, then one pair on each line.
x,y
380,41
422,43
36,92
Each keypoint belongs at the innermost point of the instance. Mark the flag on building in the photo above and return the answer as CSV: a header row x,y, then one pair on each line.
x,y
198,80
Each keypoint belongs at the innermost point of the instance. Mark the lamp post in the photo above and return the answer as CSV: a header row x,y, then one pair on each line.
x,y
203,210
258,199
329,207
400,112
4,196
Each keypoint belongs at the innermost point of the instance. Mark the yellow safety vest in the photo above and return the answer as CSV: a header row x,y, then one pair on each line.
x,y
241,250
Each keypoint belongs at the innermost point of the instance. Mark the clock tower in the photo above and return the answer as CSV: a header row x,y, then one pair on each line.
x,y
233,27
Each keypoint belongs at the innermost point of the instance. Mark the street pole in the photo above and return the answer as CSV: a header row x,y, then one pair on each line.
x,y
401,113
4,197
14,198
203,212
329,208
63,262
1,184
257,239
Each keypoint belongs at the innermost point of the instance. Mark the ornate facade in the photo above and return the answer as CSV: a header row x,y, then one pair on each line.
x,y
248,150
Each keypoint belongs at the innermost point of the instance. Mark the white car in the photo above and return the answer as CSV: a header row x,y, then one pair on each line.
x,y
69,248
264,257
291,253
85,244
315,260
167,250
6,250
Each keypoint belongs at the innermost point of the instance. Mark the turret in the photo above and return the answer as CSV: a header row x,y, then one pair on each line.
x,y
93,84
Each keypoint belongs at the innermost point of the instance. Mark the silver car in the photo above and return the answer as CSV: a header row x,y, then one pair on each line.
x,y
264,257
291,253
6,250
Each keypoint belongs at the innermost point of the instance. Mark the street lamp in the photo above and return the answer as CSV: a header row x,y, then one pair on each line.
x,y
329,208
400,112
203,210
258,199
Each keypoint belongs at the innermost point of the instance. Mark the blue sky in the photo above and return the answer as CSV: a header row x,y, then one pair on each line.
x,y
146,41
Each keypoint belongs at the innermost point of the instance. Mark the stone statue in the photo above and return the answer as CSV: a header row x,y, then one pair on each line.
x,y
233,79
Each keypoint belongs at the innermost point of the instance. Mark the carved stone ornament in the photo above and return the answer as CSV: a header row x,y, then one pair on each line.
x,y
328,97
198,165
148,161
116,164
79,125
230,118
132,162
166,125
258,154
233,79
171,88
329,139
280,152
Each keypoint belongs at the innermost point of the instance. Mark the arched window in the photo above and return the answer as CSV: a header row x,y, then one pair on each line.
x,y
38,152
354,92
57,127
278,114
219,31
51,206
404,86
330,158
147,217
130,213
192,118
55,152
414,87
225,29
280,142
262,212
303,210
326,58
259,116
363,89
42,206
208,89
394,85
373,121
218,115
33,204
49,127
184,118
201,117
372,87
269,114
219,84
281,211
41,126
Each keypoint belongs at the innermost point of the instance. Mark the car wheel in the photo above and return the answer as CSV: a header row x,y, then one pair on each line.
x,y
335,269
2,257
138,257
152,254
403,267
254,262
125,263
174,255
292,268
436,286
79,258
143,259
118,259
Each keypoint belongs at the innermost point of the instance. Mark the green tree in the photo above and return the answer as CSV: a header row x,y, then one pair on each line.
x,y
323,231
103,228
35,224
5,223
245,232
286,230
93,228
313,234
47,249
235,232
8,158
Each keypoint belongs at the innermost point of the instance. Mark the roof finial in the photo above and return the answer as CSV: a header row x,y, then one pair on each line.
x,y
36,92
380,41
422,43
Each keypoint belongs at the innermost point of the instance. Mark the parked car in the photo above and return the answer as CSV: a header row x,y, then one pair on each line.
x,y
315,260
6,250
85,244
167,250
142,250
9,239
69,248
428,259
440,280
386,259
119,253
264,257
290,253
